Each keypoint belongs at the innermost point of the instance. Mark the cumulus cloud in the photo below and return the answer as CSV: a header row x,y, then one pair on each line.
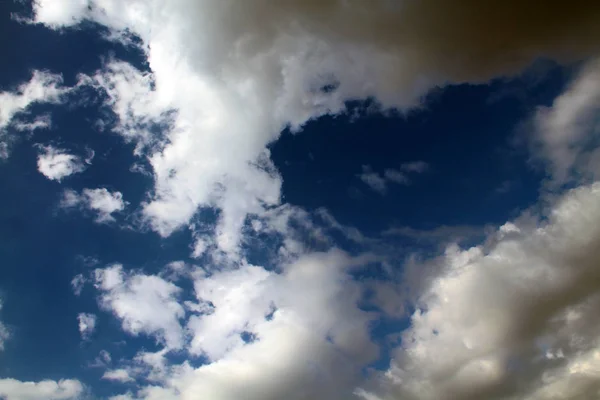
x,y
223,91
87,325
144,303
379,182
117,375
43,87
565,134
67,389
512,317
100,201
56,163
493,319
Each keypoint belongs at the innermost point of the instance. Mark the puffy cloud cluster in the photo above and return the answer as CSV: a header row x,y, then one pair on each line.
x,y
224,90
145,304
56,164
101,201
513,318
43,87
67,389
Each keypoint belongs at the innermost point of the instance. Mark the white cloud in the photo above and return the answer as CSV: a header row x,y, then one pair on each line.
x,y
566,133
87,325
4,333
43,87
379,182
67,389
373,179
56,164
489,314
118,375
39,122
222,92
145,304
77,284
101,201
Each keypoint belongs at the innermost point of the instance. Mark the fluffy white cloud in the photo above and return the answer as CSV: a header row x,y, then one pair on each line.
x,y
43,87
118,375
510,318
57,164
145,304
566,134
100,201
67,389
491,318
226,90
87,325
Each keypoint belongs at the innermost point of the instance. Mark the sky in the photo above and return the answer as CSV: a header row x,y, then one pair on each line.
x,y
300,200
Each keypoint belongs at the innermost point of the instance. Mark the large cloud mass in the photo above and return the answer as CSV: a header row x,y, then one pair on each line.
x,y
512,318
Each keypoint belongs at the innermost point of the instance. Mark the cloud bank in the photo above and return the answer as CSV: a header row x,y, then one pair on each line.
x,y
512,318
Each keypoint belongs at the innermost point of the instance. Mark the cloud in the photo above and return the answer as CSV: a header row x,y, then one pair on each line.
x,y
490,316
87,325
67,389
56,164
4,332
373,180
222,92
101,201
144,303
117,375
43,87
439,234
39,122
77,284
379,182
565,135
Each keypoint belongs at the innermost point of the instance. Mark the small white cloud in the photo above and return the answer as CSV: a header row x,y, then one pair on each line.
x,y
373,179
118,375
56,164
43,87
101,201
77,284
4,333
87,325
66,389
379,182
90,154
39,122
145,304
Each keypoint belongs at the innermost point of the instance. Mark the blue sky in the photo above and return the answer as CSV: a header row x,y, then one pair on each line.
x,y
227,200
